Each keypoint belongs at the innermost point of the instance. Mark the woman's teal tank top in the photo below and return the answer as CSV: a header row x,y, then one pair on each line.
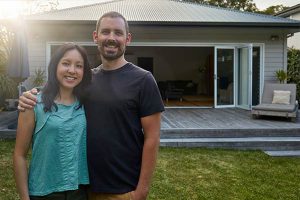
x,y
59,160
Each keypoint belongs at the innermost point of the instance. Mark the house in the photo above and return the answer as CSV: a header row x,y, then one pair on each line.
x,y
198,54
292,13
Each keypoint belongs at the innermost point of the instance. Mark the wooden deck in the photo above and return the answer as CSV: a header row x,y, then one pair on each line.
x,y
228,128
224,118
212,128
8,121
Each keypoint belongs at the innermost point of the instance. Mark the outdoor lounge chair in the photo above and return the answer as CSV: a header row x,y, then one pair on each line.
x,y
270,106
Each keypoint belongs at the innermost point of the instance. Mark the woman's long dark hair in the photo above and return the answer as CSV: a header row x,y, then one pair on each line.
x,y
51,89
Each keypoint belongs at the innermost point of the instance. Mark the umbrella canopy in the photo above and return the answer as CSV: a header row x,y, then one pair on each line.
x,y
18,64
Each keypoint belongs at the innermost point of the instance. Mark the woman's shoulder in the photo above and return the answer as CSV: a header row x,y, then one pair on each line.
x,y
39,97
39,106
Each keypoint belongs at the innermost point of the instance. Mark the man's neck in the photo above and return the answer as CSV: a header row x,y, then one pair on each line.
x,y
113,64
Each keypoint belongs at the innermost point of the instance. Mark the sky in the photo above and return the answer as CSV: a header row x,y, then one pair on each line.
x,y
11,8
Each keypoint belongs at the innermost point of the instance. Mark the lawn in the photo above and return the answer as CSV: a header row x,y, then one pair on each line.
x,y
199,173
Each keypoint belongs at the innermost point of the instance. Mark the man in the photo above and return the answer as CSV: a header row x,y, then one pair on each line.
x,y
123,110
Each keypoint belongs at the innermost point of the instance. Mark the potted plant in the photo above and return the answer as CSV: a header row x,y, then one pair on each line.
x,y
281,75
39,78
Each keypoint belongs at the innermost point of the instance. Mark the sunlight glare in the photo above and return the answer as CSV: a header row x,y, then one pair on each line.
x,y
11,8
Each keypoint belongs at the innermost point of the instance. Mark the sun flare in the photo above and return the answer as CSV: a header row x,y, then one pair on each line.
x,y
11,8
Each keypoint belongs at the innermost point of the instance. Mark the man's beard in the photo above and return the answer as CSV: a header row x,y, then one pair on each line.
x,y
111,55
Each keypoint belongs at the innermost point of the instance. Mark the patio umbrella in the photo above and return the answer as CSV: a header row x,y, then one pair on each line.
x,y
18,64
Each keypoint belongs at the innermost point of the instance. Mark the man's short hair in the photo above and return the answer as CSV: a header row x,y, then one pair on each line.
x,y
113,14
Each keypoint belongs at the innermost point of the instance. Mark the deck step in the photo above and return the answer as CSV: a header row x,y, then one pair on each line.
x,y
242,143
229,132
7,119
295,153
7,134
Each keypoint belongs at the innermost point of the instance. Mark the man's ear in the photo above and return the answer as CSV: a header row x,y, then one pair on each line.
x,y
95,37
128,39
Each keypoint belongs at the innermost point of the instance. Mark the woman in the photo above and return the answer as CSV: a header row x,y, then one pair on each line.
x,y
56,127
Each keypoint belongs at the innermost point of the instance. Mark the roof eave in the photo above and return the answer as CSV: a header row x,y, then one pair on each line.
x,y
288,12
41,21
169,23
221,24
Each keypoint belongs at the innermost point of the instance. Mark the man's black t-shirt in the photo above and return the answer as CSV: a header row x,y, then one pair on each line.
x,y
116,102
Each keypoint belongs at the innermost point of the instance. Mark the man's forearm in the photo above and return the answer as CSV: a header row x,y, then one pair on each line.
x,y
148,165
151,128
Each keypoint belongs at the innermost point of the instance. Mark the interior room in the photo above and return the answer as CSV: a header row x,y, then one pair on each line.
x,y
184,75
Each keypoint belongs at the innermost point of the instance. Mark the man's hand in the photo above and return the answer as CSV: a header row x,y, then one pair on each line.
x,y
138,195
27,100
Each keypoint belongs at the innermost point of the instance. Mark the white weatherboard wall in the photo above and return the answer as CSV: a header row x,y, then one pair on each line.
x,y
40,34
275,51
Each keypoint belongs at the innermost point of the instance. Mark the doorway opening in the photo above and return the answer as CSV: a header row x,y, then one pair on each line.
x,y
184,75
191,76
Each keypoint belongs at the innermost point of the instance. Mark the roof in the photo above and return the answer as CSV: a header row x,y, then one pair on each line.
x,y
290,11
171,12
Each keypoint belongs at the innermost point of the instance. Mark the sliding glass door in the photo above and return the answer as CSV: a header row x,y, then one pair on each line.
x,y
224,77
233,76
244,76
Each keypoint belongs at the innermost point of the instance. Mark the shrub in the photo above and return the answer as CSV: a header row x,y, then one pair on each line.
x,y
293,68
6,39
8,89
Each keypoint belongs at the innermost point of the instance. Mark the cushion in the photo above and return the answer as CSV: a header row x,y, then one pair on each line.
x,y
281,97
275,107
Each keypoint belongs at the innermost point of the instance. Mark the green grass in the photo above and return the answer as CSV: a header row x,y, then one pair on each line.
x,y
224,174
196,173
7,183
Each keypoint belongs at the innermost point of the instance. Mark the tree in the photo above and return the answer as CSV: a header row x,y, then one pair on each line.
x,y
273,9
293,68
243,5
39,6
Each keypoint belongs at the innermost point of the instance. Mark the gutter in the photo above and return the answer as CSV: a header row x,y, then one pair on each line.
x,y
295,24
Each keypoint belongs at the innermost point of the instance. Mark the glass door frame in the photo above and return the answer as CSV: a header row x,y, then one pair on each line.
x,y
250,58
232,47
235,48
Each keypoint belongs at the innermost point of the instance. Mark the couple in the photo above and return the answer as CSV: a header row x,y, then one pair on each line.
x,y
122,106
